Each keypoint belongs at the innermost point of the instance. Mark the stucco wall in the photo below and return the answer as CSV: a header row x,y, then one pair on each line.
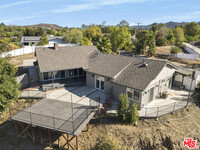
x,y
117,90
159,87
90,80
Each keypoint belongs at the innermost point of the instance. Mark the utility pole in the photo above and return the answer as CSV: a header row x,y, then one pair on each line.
x,y
138,23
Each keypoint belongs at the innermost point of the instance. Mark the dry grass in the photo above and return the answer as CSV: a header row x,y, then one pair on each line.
x,y
148,134
178,61
18,60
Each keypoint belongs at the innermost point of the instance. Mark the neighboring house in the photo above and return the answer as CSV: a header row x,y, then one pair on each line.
x,y
143,80
191,49
33,40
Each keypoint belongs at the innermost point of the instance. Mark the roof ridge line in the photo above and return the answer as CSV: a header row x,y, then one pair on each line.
x,y
123,69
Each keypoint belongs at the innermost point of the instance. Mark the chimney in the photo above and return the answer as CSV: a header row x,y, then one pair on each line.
x,y
55,46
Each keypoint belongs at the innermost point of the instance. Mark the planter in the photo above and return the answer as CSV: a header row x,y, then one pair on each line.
x,y
165,95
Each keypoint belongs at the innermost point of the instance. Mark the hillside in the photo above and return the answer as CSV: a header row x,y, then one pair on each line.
x,y
43,25
170,24
147,135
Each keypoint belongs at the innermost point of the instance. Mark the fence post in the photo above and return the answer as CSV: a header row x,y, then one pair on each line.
x,y
174,106
146,112
157,111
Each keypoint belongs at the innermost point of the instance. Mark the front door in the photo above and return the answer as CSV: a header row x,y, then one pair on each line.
x,y
99,82
170,83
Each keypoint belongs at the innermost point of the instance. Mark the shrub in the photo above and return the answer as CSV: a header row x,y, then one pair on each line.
x,y
125,113
161,41
175,50
123,108
133,114
109,144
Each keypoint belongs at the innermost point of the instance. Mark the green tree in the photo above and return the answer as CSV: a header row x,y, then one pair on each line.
x,y
119,37
141,43
40,32
170,37
154,27
123,108
8,84
151,43
175,50
192,29
104,44
76,35
43,41
123,23
179,35
93,33
162,28
85,41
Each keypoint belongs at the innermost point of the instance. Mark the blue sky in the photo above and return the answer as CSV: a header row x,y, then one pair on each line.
x,y
74,13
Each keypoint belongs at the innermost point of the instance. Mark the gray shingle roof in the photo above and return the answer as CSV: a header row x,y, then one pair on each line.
x,y
64,58
138,76
107,64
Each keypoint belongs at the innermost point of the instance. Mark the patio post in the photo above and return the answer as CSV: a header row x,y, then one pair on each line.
x,y
157,110
174,106
146,112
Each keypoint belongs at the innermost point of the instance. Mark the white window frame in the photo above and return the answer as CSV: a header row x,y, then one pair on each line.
x,y
73,73
100,77
133,95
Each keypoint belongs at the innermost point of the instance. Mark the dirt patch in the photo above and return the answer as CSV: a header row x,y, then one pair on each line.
x,y
18,60
178,61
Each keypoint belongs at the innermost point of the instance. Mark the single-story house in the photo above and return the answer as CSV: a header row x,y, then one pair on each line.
x,y
142,79
33,40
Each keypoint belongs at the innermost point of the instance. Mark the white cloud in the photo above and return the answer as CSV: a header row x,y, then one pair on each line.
x,y
91,4
72,8
15,4
14,19
184,17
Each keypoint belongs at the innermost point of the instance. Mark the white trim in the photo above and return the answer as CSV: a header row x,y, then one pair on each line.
x,y
99,83
133,95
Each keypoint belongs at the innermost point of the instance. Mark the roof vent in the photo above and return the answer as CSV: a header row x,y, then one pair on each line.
x,y
145,64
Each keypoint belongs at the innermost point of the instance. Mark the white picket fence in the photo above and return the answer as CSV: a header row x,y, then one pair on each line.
x,y
187,56
30,49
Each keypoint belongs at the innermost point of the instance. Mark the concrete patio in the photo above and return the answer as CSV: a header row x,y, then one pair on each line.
x,y
76,94
177,99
